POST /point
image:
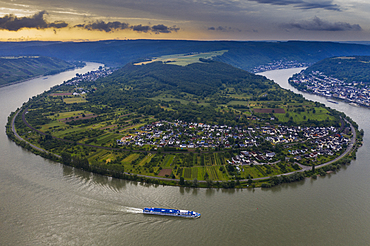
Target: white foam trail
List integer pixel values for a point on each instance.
(133, 210)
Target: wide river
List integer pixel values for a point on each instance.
(45, 203)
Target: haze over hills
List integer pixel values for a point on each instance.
(244, 55)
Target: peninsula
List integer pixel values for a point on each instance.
(203, 123)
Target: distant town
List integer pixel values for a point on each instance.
(357, 93)
(91, 76)
(280, 65)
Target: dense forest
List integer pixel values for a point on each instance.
(14, 69)
(348, 69)
(244, 55)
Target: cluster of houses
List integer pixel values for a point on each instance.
(318, 83)
(279, 65)
(326, 146)
(90, 76)
(185, 135)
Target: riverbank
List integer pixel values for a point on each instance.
(40, 76)
(266, 182)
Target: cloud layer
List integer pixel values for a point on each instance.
(37, 21)
(303, 4)
(317, 24)
(14, 23)
(116, 26)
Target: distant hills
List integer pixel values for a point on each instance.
(19, 68)
(347, 69)
(244, 55)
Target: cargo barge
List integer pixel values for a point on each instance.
(171, 212)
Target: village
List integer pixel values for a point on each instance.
(316, 82)
(324, 141)
(279, 65)
(91, 76)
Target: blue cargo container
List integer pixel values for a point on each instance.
(171, 212)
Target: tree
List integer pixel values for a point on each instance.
(195, 182)
(182, 181)
(66, 158)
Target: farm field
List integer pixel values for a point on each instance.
(184, 59)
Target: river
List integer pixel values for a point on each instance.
(46, 203)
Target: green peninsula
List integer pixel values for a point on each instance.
(202, 124)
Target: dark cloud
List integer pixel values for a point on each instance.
(13, 23)
(223, 29)
(316, 24)
(112, 26)
(103, 26)
(304, 4)
(164, 29)
(141, 28)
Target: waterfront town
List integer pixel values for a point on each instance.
(319, 140)
(91, 76)
(280, 65)
(357, 93)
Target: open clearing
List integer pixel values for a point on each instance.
(184, 59)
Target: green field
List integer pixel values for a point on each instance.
(70, 100)
(184, 59)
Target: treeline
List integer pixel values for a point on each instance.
(348, 69)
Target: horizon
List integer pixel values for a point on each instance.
(200, 20)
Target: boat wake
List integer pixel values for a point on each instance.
(132, 210)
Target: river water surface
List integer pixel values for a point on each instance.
(45, 203)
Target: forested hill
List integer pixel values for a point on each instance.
(199, 79)
(210, 92)
(244, 55)
(18, 68)
(348, 69)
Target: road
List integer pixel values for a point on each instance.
(304, 168)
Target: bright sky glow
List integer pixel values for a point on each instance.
(65, 20)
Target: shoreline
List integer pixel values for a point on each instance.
(35, 77)
(169, 181)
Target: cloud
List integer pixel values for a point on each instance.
(141, 28)
(113, 26)
(223, 29)
(316, 24)
(164, 29)
(103, 26)
(14, 23)
(304, 4)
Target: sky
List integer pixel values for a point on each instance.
(249, 20)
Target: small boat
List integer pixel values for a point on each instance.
(171, 212)
(332, 101)
(354, 104)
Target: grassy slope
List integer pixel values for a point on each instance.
(13, 69)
